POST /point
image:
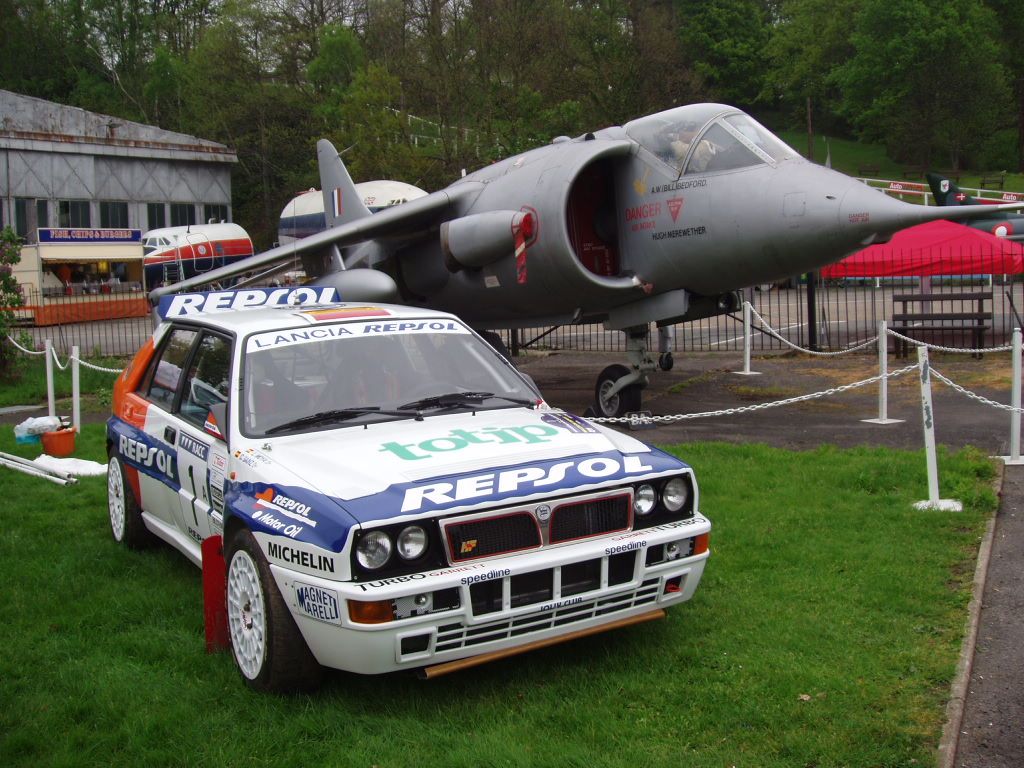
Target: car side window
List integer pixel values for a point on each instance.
(164, 375)
(207, 382)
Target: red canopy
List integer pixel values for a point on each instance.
(935, 248)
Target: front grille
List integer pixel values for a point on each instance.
(492, 536)
(589, 518)
(536, 587)
(455, 636)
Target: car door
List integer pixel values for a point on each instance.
(205, 388)
(154, 451)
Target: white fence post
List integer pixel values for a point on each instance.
(1014, 457)
(883, 382)
(76, 399)
(50, 402)
(747, 342)
(928, 419)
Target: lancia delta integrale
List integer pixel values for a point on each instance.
(390, 492)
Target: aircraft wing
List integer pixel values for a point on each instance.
(402, 222)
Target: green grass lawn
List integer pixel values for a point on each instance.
(825, 633)
(27, 384)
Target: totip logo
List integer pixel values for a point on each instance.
(467, 546)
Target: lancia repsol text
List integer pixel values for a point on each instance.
(288, 554)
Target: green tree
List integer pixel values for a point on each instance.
(724, 43)
(808, 42)
(924, 78)
(1011, 39)
(10, 295)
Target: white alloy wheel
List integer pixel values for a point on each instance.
(126, 523)
(247, 615)
(115, 499)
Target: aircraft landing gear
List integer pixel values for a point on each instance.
(619, 389)
(613, 398)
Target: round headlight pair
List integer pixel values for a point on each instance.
(674, 496)
(374, 549)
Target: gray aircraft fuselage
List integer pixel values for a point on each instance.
(653, 221)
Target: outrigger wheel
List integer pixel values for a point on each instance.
(611, 402)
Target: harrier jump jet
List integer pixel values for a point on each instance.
(659, 220)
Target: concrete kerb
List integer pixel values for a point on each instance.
(958, 690)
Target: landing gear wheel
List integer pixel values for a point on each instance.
(125, 513)
(665, 361)
(622, 402)
(268, 648)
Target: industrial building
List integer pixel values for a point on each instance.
(80, 188)
(61, 166)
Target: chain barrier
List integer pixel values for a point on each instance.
(973, 395)
(939, 348)
(772, 332)
(636, 419)
(26, 351)
(64, 367)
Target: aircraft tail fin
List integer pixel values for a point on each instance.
(342, 203)
(946, 192)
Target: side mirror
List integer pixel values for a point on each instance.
(217, 416)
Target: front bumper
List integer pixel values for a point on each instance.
(498, 604)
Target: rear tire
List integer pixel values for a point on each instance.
(266, 644)
(126, 522)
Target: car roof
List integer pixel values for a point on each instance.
(255, 320)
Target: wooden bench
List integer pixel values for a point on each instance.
(868, 171)
(993, 180)
(914, 172)
(929, 319)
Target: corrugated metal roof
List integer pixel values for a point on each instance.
(36, 124)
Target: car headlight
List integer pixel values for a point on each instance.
(675, 494)
(644, 500)
(373, 550)
(412, 542)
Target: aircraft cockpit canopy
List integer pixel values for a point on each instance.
(704, 138)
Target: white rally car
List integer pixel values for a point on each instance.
(392, 494)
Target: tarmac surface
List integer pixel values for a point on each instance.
(987, 701)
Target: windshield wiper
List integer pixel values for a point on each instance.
(456, 399)
(337, 414)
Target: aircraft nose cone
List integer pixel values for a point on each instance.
(869, 216)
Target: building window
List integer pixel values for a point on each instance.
(113, 215)
(156, 215)
(73, 213)
(29, 215)
(182, 214)
(21, 222)
(214, 213)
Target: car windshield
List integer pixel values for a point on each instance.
(342, 374)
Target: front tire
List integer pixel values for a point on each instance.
(626, 400)
(126, 522)
(267, 646)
